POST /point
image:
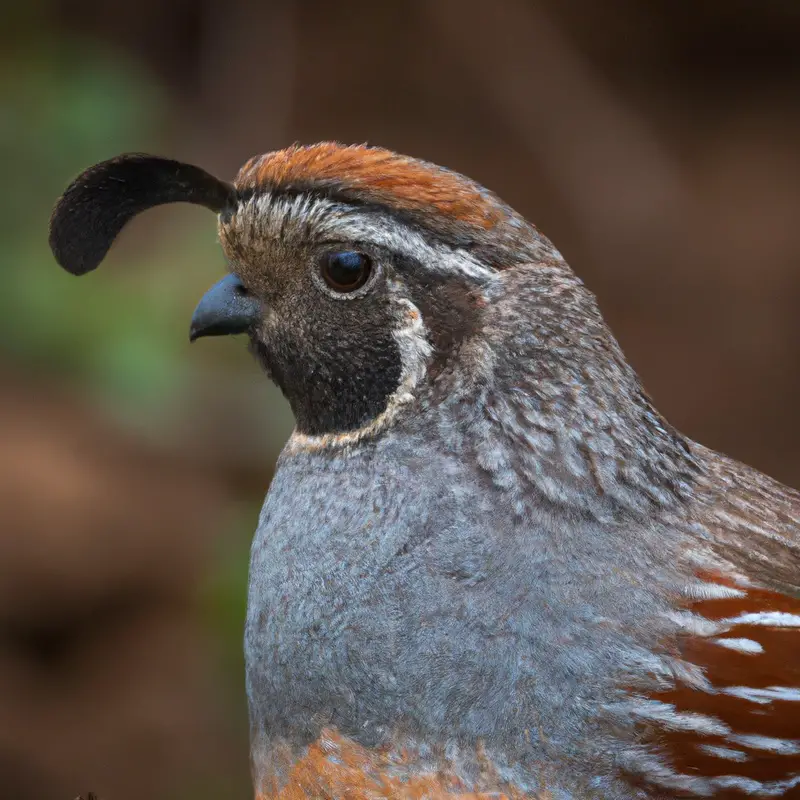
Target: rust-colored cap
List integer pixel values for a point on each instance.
(377, 176)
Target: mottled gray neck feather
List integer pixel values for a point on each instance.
(545, 402)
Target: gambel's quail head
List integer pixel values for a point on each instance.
(486, 565)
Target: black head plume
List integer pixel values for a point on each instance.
(101, 200)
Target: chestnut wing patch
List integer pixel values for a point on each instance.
(742, 733)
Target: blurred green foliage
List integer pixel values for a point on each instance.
(224, 597)
(119, 331)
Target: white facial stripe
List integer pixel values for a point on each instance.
(393, 235)
(415, 350)
(304, 217)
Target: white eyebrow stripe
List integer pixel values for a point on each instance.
(399, 238)
(269, 216)
(742, 645)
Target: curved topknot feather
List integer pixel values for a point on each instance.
(104, 198)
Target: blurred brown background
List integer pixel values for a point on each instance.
(657, 143)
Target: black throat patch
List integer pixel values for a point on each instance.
(334, 388)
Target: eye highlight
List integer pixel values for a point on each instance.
(345, 270)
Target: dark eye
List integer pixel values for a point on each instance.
(346, 270)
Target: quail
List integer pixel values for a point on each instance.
(486, 566)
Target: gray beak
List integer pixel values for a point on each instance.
(226, 308)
